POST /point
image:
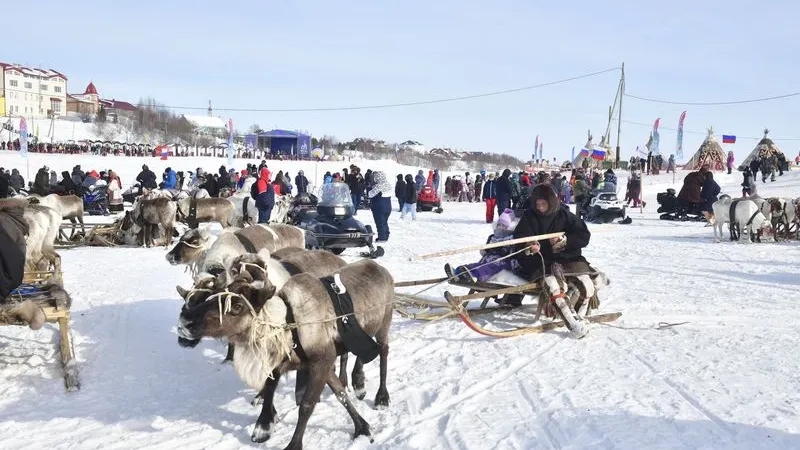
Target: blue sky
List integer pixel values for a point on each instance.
(282, 54)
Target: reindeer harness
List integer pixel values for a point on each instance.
(354, 338)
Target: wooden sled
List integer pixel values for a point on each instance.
(457, 305)
(35, 289)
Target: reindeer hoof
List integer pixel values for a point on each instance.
(360, 392)
(382, 400)
(261, 434)
(362, 429)
(258, 400)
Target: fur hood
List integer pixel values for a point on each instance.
(545, 191)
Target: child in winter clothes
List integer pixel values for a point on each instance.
(489, 266)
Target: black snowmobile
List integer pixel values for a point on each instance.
(329, 222)
(671, 208)
(605, 207)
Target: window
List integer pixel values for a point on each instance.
(13, 83)
(57, 88)
(43, 87)
(28, 85)
(55, 106)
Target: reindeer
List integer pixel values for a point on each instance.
(297, 328)
(43, 224)
(198, 210)
(69, 206)
(204, 253)
(277, 269)
(149, 214)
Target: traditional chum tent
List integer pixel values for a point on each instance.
(710, 153)
(593, 155)
(764, 148)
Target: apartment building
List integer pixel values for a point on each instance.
(32, 93)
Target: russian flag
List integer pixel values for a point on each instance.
(584, 152)
(598, 154)
(728, 139)
(164, 151)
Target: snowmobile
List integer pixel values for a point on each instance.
(427, 200)
(604, 207)
(329, 222)
(673, 209)
(95, 200)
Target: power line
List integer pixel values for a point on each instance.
(387, 105)
(703, 133)
(733, 102)
(418, 103)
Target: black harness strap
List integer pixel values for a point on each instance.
(192, 209)
(291, 268)
(191, 219)
(246, 243)
(245, 213)
(733, 226)
(354, 338)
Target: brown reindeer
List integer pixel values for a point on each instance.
(200, 210)
(149, 214)
(296, 329)
(275, 270)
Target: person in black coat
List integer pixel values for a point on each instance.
(146, 178)
(709, 193)
(503, 191)
(410, 198)
(400, 191)
(3, 186)
(301, 183)
(211, 186)
(545, 215)
(68, 185)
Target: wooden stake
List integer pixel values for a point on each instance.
(521, 240)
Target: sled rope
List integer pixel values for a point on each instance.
(660, 326)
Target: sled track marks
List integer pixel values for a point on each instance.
(536, 409)
(441, 408)
(682, 393)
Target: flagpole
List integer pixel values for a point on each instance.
(619, 119)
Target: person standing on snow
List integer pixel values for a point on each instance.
(490, 197)
(380, 203)
(265, 196)
(730, 162)
(400, 191)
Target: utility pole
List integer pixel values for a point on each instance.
(619, 117)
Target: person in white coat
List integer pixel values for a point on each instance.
(114, 191)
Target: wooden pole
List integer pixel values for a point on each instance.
(521, 240)
(619, 116)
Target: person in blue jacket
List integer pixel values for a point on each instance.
(171, 181)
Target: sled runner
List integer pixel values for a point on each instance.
(519, 319)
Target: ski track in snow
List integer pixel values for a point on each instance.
(727, 379)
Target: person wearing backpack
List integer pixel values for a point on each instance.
(264, 195)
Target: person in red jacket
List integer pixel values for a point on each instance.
(265, 198)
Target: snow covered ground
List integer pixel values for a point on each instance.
(727, 379)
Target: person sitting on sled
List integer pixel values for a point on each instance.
(489, 266)
(545, 215)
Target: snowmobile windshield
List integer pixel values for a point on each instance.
(336, 195)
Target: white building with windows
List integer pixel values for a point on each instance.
(32, 93)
